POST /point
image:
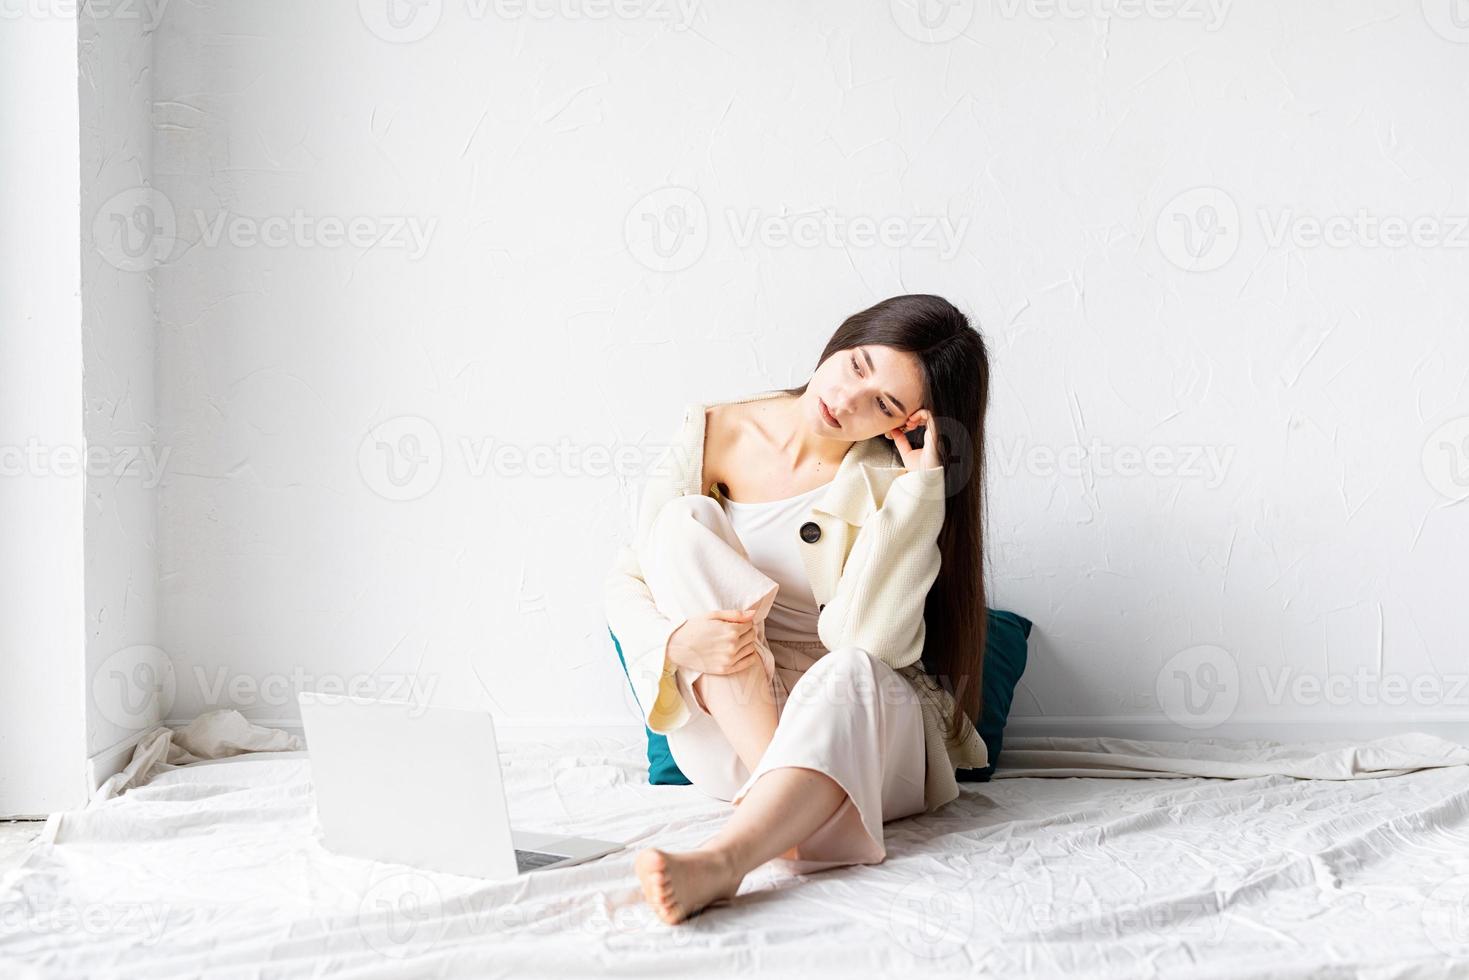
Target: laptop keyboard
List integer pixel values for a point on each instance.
(530, 860)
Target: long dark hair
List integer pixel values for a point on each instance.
(956, 381)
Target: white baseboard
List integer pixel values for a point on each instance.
(102, 766)
(1153, 727)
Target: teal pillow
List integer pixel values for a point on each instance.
(1005, 654)
(662, 770)
(1004, 662)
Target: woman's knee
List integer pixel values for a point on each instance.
(677, 512)
(850, 675)
(748, 678)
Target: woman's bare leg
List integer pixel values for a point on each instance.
(743, 705)
(782, 808)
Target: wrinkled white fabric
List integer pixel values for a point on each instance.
(214, 869)
(213, 735)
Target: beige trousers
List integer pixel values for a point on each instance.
(844, 713)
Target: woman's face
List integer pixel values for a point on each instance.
(870, 390)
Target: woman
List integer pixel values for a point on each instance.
(802, 613)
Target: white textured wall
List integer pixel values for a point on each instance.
(127, 671)
(42, 733)
(475, 227)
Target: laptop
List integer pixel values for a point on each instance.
(419, 785)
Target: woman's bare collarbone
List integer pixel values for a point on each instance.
(741, 459)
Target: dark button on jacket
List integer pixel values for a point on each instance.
(810, 532)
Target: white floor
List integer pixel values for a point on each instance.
(16, 837)
(215, 869)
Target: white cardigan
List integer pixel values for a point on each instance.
(871, 568)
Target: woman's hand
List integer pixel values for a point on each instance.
(720, 642)
(926, 457)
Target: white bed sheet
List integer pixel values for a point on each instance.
(215, 869)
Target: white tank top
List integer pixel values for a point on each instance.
(770, 530)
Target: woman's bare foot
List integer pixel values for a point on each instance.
(677, 885)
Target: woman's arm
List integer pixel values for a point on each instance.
(878, 603)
